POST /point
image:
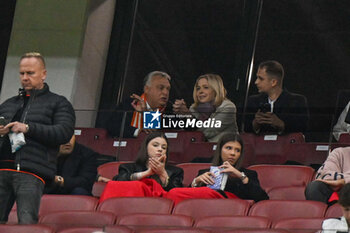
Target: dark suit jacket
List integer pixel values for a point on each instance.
(175, 174)
(79, 169)
(291, 108)
(114, 120)
(250, 191)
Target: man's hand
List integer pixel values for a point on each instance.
(3, 130)
(268, 118)
(335, 184)
(17, 127)
(138, 103)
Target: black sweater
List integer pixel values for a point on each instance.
(250, 191)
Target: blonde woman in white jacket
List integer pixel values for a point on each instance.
(210, 104)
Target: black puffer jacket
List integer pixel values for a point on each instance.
(51, 121)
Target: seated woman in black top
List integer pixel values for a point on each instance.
(151, 172)
(241, 182)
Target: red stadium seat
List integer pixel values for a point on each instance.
(109, 170)
(344, 138)
(191, 171)
(310, 152)
(172, 230)
(91, 137)
(155, 220)
(117, 229)
(37, 228)
(213, 222)
(271, 176)
(84, 230)
(136, 205)
(283, 209)
(256, 231)
(51, 203)
(270, 149)
(127, 148)
(65, 219)
(334, 211)
(300, 225)
(98, 188)
(180, 143)
(197, 208)
(198, 150)
(287, 193)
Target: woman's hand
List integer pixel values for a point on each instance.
(232, 171)
(158, 165)
(180, 107)
(206, 178)
(228, 168)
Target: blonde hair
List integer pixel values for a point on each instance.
(35, 55)
(215, 82)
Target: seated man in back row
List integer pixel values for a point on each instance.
(276, 110)
(76, 170)
(330, 177)
(155, 97)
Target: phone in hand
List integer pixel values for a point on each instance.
(265, 107)
(2, 120)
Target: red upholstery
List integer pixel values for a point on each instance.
(84, 230)
(233, 222)
(92, 138)
(256, 231)
(110, 169)
(98, 188)
(65, 219)
(344, 138)
(311, 152)
(191, 171)
(271, 176)
(270, 149)
(198, 150)
(282, 209)
(127, 148)
(117, 229)
(133, 205)
(334, 211)
(180, 143)
(300, 225)
(172, 230)
(287, 193)
(197, 208)
(155, 220)
(37, 228)
(52, 203)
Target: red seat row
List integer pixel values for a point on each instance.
(274, 210)
(184, 146)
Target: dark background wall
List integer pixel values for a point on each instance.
(189, 38)
(7, 11)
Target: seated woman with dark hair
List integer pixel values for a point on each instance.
(241, 182)
(150, 175)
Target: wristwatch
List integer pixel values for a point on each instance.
(60, 180)
(243, 176)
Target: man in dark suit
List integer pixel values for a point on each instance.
(155, 97)
(76, 170)
(275, 109)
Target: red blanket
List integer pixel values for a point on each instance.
(150, 188)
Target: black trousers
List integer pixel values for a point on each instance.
(318, 191)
